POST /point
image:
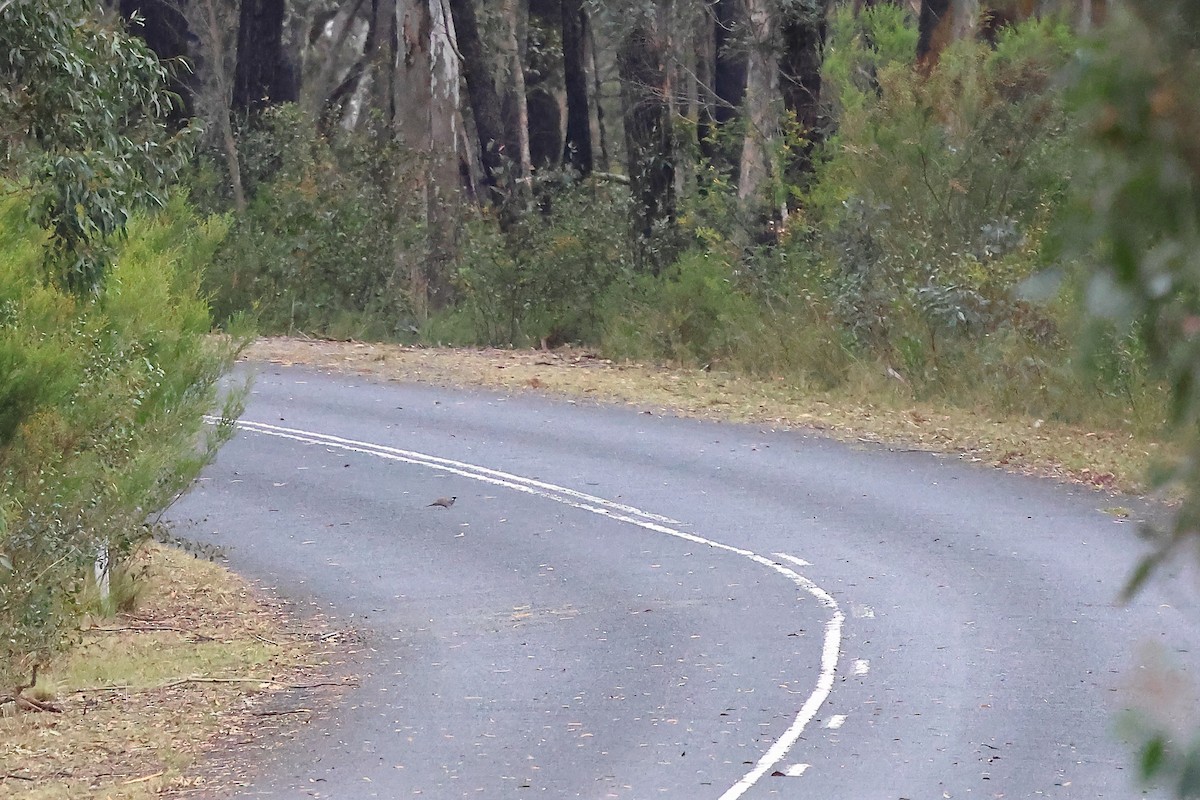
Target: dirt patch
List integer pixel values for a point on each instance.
(1109, 460)
(166, 700)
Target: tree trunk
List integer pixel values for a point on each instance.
(597, 83)
(316, 94)
(517, 120)
(216, 47)
(762, 113)
(935, 26)
(577, 147)
(443, 195)
(485, 102)
(648, 143)
(800, 74)
(166, 32)
(384, 47)
(263, 76)
(729, 78)
(426, 84)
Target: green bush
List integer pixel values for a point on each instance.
(935, 192)
(320, 248)
(544, 278)
(102, 401)
(691, 314)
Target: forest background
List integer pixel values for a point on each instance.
(986, 205)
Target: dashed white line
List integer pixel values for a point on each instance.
(836, 721)
(861, 666)
(830, 651)
(795, 770)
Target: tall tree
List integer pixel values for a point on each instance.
(264, 75)
(730, 63)
(214, 24)
(425, 85)
(515, 107)
(577, 145)
(729, 74)
(485, 101)
(649, 151)
(165, 29)
(800, 63)
(762, 112)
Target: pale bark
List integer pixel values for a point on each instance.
(513, 13)
(762, 110)
(217, 37)
(327, 52)
(425, 85)
(599, 129)
(442, 197)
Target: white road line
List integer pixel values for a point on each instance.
(634, 516)
(862, 612)
(861, 666)
(799, 562)
(795, 770)
(447, 465)
(836, 721)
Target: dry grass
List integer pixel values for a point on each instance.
(153, 700)
(1100, 458)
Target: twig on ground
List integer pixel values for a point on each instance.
(144, 778)
(282, 713)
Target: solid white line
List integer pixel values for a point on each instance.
(634, 516)
(423, 458)
(799, 562)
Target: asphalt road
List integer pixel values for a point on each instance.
(621, 604)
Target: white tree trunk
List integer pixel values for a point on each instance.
(515, 65)
(762, 111)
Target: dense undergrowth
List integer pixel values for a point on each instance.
(913, 263)
(101, 405)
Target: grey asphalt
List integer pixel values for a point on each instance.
(517, 646)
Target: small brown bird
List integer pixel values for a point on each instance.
(443, 502)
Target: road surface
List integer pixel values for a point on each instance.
(621, 604)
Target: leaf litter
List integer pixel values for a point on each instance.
(178, 697)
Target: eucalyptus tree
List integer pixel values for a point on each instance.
(84, 119)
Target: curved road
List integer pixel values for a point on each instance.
(630, 606)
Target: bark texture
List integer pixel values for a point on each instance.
(648, 142)
(577, 144)
(485, 101)
(264, 75)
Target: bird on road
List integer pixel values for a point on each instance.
(443, 502)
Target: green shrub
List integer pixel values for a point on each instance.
(319, 249)
(104, 400)
(692, 313)
(935, 191)
(543, 280)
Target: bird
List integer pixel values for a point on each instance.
(443, 502)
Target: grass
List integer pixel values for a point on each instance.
(153, 698)
(1104, 459)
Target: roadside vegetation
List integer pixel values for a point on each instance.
(150, 696)
(908, 222)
